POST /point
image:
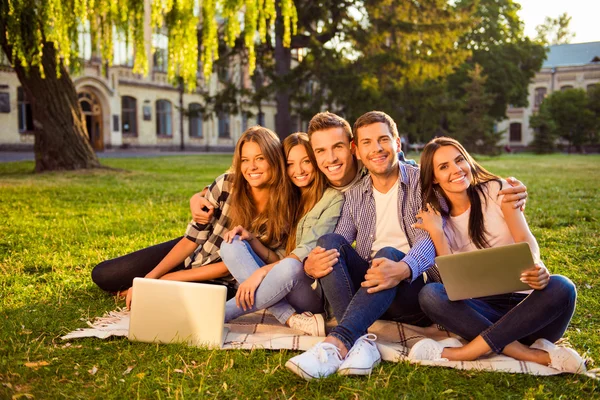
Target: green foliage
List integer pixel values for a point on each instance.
(544, 141)
(509, 59)
(27, 26)
(474, 126)
(569, 114)
(555, 30)
(57, 226)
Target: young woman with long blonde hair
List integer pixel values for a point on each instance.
(255, 193)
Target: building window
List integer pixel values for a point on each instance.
(122, 49)
(84, 41)
(540, 95)
(224, 126)
(164, 118)
(24, 112)
(129, 116)
(160, 45)
(566, 87)
(195, 120)
(515, 132)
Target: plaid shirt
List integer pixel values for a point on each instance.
(210, 236)
(358, 221)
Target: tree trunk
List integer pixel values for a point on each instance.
(61, 139)
(283, 63)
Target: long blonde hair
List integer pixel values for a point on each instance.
(313, 193)
(271, 226)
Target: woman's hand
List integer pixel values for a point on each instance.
(431, 220)
(238, 230)
(244, 298)
(537, 277)
(128, 298)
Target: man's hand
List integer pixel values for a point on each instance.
(320, 262)
(385, 274)
(537, 277)
(516, 193)
(202, 209)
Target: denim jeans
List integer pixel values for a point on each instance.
(284, 291)
(503, 319)
(354, 308)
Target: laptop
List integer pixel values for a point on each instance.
(177, 312)
(485, 272)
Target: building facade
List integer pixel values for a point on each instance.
(568, 66)
(124, 109)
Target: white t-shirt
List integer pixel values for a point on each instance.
(497, 232)
(388, 232)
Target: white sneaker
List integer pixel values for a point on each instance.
(320, 361)
(562, 358)
(430, 350)
(362, 357)
(307, 322)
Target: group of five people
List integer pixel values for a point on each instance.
(342, 208)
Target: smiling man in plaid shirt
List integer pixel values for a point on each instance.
(384, 274)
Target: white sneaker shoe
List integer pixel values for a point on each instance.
(307, 322)
(430, 350)
(561, 358)
(362, 357)
(320, 361)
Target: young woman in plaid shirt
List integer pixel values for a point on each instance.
(255, 193)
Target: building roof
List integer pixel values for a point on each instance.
(562, 55)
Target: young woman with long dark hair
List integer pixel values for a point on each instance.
(521, 325)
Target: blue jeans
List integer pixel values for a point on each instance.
(354, 308)
(284, 291)
(503, 319)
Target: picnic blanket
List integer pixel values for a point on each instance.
(260, 330)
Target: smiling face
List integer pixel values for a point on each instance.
(378, 149)
(299, 168)
(254, 166)
(451, 170)
(334, 154)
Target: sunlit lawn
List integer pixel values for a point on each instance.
(55, 227)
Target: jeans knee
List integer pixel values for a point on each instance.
(431, 296)
(563, 289)
(390, 253)
(289, 268)
(231, 251)
(331, 241)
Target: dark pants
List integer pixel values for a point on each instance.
(118, 274)
(505, 318)
(354, 308)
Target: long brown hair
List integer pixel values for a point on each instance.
(481, 177)
(271, 226)
(313, 193)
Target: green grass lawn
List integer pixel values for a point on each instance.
(55, 227)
